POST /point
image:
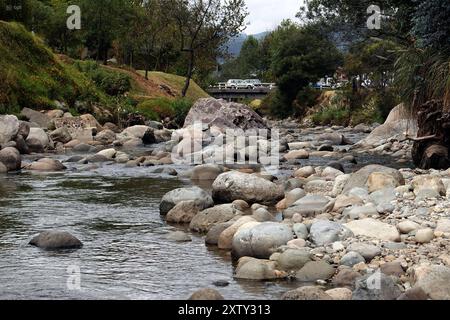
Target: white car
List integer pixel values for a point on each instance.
(234, 84)
(253, 83)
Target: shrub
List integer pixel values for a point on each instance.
(156, 109)
(181, 107)
(332, 116)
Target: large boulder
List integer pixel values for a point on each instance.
(397, 125)
(10, 157)
(145, 133)
(235, 185)
(9, 128)
(206, 295)
(46, 164)
(54, 240)
(207, 172)
(201, 198)
(261, 240)
(225, 115)
(308, 293)
(183, 212)
(374, 229)
(39, 135)
(315, 270)
(106, 137)
(360, 178)
(434, 280)
(39, 118)
(204, 220)
(61, 135)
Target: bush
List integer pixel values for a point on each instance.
(111, 82)
(181, 107)
(332, 116)
(156, 109)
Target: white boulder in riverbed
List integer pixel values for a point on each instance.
(235, 185)
(40, 135)
(374, 229)
(201, 198)
(9, 127)
(261, 240)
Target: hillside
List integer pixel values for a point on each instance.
(32, 76)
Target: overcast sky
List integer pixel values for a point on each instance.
(265, 15)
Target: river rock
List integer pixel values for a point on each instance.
(24, 129)
(301, 231)
(10, 157)
(332, 138)
(3, 168)
(382, 180)
(39, 134)
(206, 295)
(340, 294)
(443, 225)
(424, 235)
(261, 240)
(359, 179)
(429, 183)
(434, 280)
(144, 133)
(235, 185)
(39, 118)
(207, 172)
(407, 226)
(374, 229)
(212, 237)
(202, 199)
(345, 278)
(293, 259)
(61, 135)
(9, 128)
(256, 269)
(415, 293)
(106, 137)
(314, 271)
(325, 232)
(377, 286)
(204, 220)
(225, 241)
(109, 154)
(310, 205)
(46, 164)
(392, 269)
(54, 240)
(307, 294)
(351, 258)
(296, 155)
(224, 115)
(366, 250)
(183, 212)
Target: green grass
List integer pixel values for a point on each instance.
(177, 83)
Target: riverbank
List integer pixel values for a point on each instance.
(345, 210)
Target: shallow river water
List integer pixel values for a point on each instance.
(126, 255)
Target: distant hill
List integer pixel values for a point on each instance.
(235, 45)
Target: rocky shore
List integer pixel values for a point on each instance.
(339, 228)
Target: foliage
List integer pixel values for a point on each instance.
(161, 108)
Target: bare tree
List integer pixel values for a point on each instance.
(205, 24)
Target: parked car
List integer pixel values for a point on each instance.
(234, 84)
(252, 83)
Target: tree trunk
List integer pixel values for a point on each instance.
(432, 151)
(189, 74)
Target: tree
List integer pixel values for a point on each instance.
(303, 57)
(205, 24)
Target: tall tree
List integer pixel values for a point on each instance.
(205, 24)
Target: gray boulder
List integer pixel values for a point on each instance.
(201, 198)
(326, 232)
(204, 220)
(359, 179)
(261, 240)
(377, 286)
(41, 119)
(9, 127)
(54, 240)
(315, 270)
(235, 185)
(10, 157)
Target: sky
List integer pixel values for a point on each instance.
(266, 15)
